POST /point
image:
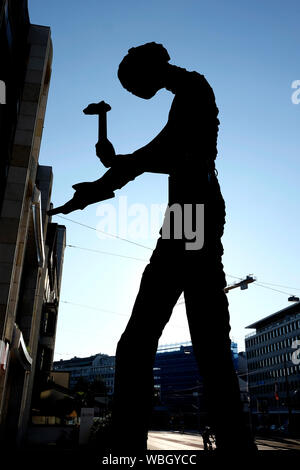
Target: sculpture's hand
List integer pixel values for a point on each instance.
(85, 194)
(105, 152)
(68, 207)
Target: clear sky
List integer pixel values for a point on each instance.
(249, 52)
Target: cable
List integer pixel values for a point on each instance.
(93, 308)
(103, 310)
(107, 253)
(148, 248)
(260, 284)
(124, 256)
(106, 233)
(271, 288)
(234, 277)
(279, 285)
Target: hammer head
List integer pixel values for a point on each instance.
(97, 108)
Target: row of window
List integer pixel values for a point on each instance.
(275, 373)
(80, 373)
(274, 333)
(272, 347)
(102, 369)
(270, 388)
(91, 377)
(109, 383)
(107, 376)
(274, 360)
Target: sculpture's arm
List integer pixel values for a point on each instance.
(162, 155)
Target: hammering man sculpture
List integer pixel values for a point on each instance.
(185, 149)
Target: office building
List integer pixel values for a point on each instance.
(90, 369)
(273, 356)
(178, 384)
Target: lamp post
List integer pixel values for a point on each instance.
(288, 400)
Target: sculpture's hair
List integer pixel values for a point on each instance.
(142, 58)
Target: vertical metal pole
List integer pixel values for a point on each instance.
(287, 389)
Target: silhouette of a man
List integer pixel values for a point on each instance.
(185, 149)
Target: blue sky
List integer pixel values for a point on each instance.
(249, 52)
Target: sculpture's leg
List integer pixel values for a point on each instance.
(159, 291)
(208, 318)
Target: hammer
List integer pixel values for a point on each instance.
(101, 109)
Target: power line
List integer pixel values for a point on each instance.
(148, 248)
(279, 285)
(103, 310)
(234, 277)
(107, 253)
(93, 308)
(271, 288)
(106, 233)
(261, 284)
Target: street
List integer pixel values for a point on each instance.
(162, 440)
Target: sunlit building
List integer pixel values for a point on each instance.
(99, 367)
(273, 356)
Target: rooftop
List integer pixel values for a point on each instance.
(275, 317)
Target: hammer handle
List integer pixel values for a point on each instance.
(102, 126)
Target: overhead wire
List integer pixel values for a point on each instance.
(107, 253)
(93, 308)
(90, 307)
(106, 233)
(260, 284)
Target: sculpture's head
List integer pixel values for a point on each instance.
(142, 70)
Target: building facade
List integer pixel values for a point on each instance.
(90, 369)
(31, 248)
(273, 357)
(177, 384)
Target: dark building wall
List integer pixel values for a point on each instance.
(14, 27)
(27, 257)
(175, 371)
(36, 320)
(179, 385)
